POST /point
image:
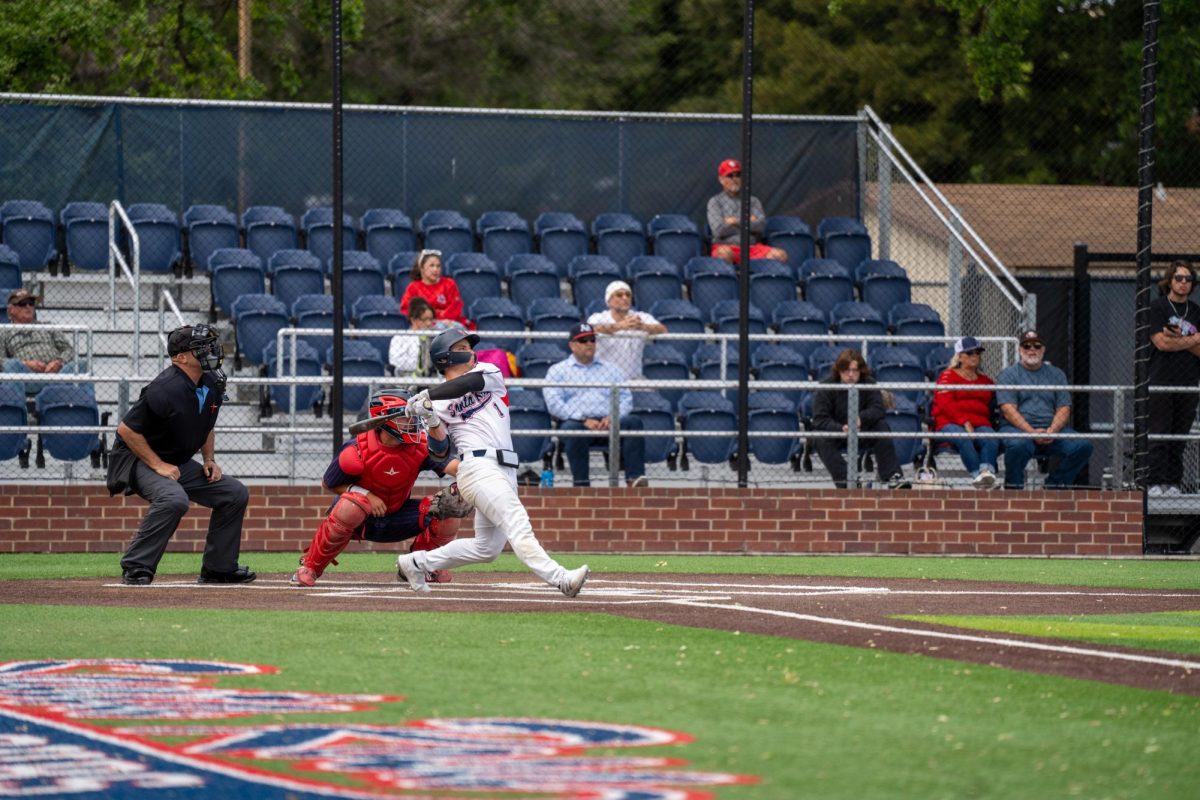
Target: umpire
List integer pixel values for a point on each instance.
(171, 421)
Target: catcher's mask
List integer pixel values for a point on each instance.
(201, 341)
(407, 429)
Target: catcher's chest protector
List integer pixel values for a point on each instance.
(389, 472)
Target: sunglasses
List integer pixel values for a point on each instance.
(972, 352)
(586, 340)
(1032, 346)
(1183, 278)
(734, 175)
(622, 294)
(24, 303)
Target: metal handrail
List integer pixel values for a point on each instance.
(133, 276)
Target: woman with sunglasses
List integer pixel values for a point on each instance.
(433, 287)
(968, 412)
(1173, 362)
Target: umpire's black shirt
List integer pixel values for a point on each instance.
(175, 415)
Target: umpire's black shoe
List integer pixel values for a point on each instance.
(137, 577)
(239, 575)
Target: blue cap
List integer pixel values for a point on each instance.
(968, 343)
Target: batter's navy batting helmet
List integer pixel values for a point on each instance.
(439, 348)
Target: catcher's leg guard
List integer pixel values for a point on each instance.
(333, 534)
(436, 533)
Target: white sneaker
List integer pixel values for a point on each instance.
(1173, 491)
(573, 581)
(984, 480)
(1155, 491)
(406, 566)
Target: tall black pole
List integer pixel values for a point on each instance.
(1141, 386)
(335, 399)
(743, 390)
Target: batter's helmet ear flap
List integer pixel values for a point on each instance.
(439, 348)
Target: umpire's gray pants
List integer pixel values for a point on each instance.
(169, 502)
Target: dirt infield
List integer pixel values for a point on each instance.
(854, 612)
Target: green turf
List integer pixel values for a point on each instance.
(1176, 632)
(1116, 573)
(812, 720)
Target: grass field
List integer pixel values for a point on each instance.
(810, 720)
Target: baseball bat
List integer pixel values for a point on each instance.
(361, 426)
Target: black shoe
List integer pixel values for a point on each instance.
(898, 481)
(137, 577)
(239, 575)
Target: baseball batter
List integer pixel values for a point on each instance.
(473, 405)
(372, 476)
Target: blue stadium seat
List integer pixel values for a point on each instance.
(826, 283)
(727, 318)
(891, 364)
(386, 232)
(536, 357)
(710, 280)
(552, 314)
(308, 364)
(400, 269)
(708, 412)
(780, 363)
(619, 236)
(85, 231)
(446, 230)
(800, 318)
(294, 273)
(590, 276)
(657, 414)
(27, 227)
(159, 243)
(13, 413)
(853, 319)
(531, 277)
(209, 228)
(232, 280)
(378, 312)
(916, 319)
(10, 268)
(314, 311)
(503, 234)
(936, 361)
(360, 359)
(680, 316)
(663, 362)
(317, 224)
(906, 418)
(476, 275)
(527, 411)
(771, 283)
(498, 314)
(68, 405)
(268, 228)
(844, 240)
(361, 275)
(257, 319)
(561, 237)
(792, 236)
(884, 284)
(773, 412)
(654, 278)
(822, 359)
(675, 238)
(706, 361)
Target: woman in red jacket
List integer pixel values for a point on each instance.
(440, 292)
(968, 412)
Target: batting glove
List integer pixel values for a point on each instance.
(419, 405)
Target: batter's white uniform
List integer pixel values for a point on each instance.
(479, 422)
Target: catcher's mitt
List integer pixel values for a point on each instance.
(449, 503)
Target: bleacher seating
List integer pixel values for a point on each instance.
(708, 412)
(883, 285)
(898, 364)
(257, 319)
(654, 278)
(844, 240)
(710, 280)
(657, 414)
(386, 232)
(800, 318)
(674, 237)
(590, 276)
(619, 236)
(536, 357)
(706, 361)
(234, 278)
(502, 235)
(209, 228)
(295, 273)
(308, 364)
(552, 314)
(916, 319)
(561, 237)
(400, 270)
(727, 318)
(821, 360)
(771, 283)
(531, 277)
(792, 236)
(359, 360)
(498, 314)
(446, 230)
(27, 227)
(664, 362)
(314, 311)
(13, 413)
(826, 283)
(85, 234)
(527, 411)
(268, 228)
(317, 224)
(853, 319)
(69, 405)
(780, 363)
(10, 268)
(773, 412)
(361, 275)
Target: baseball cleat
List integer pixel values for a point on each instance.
(304, 577)
(574, 580)
(406, 568)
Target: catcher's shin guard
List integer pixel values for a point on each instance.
(436, 533)
(333, 534)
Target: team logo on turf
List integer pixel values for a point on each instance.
(49, 746)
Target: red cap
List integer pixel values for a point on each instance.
(727, 166)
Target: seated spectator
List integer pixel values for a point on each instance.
(725, 219)
(831, 412)
(622, 330)
(583, 408)
(32, 351)
(1034, 411)
(440, 292)
(408, 354)
(967, 412)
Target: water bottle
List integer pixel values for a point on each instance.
(1106, 480)
(547, 481)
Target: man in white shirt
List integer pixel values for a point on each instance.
(623, 330)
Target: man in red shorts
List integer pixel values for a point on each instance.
(725, 218)
(373, 476)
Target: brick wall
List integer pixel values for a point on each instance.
(281, 518)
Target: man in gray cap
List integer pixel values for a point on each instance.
(32, 349)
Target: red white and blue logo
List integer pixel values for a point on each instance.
(182, 743)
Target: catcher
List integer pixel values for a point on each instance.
(373, 476)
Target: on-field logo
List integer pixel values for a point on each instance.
(46, 747)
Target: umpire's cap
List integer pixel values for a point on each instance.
(439, 348)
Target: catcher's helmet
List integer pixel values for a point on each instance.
(406, 429)
(439, 348)
(200, 341)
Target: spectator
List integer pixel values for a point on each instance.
(623, 330)
(408, 354)
(968, 412)
(1038, 411)
(831, 413)
(725, 219)
(1173, 362)
(30, 350)
(440, 292)
(583, 408)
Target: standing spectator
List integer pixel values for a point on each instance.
(1173, 362)
(171, 421)
(408, 354)
(725, 219)
(583, 408)
(440, 292)
(623, 331)
(1038, 411)
(30, 350)
(831, 413)
(968, 412)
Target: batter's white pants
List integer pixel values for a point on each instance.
(499, 517)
